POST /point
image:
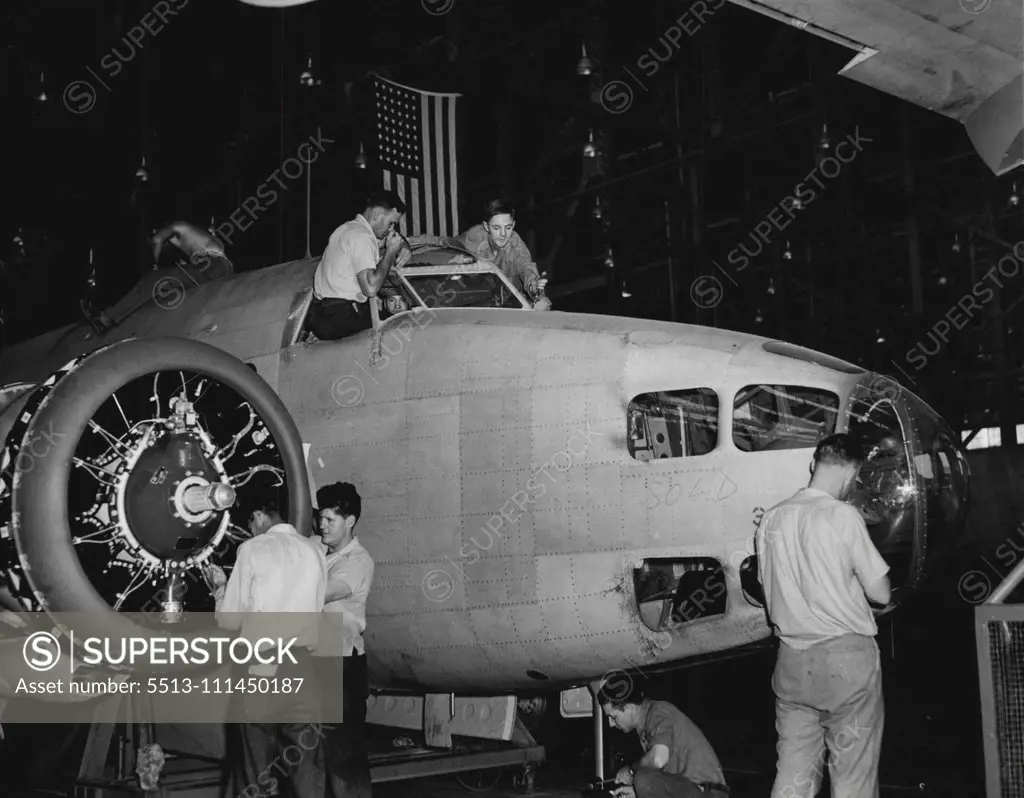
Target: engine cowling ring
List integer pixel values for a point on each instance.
(40, 497)
(22, 405)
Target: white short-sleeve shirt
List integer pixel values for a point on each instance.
(354, 566)
(352, 248)
(814, 555)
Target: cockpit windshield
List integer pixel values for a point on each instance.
(473, 290)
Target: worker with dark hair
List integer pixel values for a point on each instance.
(352, 269)
(276, 570)
(678, 762)
(496, 240)
(818, 568)
(349, 578)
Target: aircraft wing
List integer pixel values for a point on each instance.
(961, 59)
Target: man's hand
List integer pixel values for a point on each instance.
(215, 576)
(624, 776)
(540, 285)
(403, 257)
(624, 792)
(392, 242)
(542, 304)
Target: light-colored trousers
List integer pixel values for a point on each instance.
(829, 695)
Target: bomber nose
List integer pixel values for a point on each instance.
(913, 489)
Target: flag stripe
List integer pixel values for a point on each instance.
(449, 143)
(428, 178)
(436, 134)
(416, 137)
(413, 211)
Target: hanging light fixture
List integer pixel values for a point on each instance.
(596, 212)
(879, 338)
(609, 261)
(141, 174)
(1014, 197)
(956, 242)
(824, 143)
(625, 291)
(823, 149)
(787, 253)
(771, 286)
(759, 319)
(584, 67)
(590, 151)
(41, 95)
(360, 162)
(307, 78)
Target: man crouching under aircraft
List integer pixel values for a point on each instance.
(206, 261)
(679, 761)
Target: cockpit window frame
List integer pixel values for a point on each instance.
(685, 438)
(403, 273)
(783, 395)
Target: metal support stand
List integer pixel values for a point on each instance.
(598, 741)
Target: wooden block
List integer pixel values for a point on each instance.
(437, 720)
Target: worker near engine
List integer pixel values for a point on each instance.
(349, 579)
(277, 570)
(353, 269)
(818, 568)
(496, 240)
(678, 762)
(200, 258)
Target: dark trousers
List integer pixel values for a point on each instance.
(346, 754)
(331, 319)
(651, 783)
(277, 759)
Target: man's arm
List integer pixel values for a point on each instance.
(871, 569)
(233, 598)
(372, 278)
(522, 261)
(159, 239)
(656, 758)
(336, 589)
(347, 577)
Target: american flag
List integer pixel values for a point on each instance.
(416, 146)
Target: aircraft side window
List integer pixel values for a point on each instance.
(772, 417)
(670, 424)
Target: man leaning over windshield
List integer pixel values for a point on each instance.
(496, 240)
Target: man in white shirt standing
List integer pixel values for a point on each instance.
(352, 269)
(349, 578)
(818, 567)
(277, 570)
